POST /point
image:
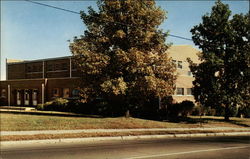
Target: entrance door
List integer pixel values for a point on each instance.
(34, 97)
(26, 98)
(18, 97)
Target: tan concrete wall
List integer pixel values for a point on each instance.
(181, 53)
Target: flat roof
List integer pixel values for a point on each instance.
(38, 60)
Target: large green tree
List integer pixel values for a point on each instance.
(122, 54)
(222, 78)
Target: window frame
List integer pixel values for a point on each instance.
(178, 92)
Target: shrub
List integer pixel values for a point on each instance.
(245, 111)
(186, 107)
(183, 109)
(40, 107)
(3, 101)
(58, 104)
(197, 111)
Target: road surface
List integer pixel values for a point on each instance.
(230, 147)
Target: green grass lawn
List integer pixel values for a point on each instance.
(18, 122)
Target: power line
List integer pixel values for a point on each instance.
(67, 10)
(180, 37)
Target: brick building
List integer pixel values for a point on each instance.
(32, 82)
(29, 83)
(179, 54)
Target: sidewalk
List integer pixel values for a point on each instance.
(36, 132)
(22, 143)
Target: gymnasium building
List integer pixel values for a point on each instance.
(29, 83)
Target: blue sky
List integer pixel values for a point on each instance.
(30, 31)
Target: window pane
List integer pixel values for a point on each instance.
(189, 91)
(55, 92)
(179, 65)
(3, 93)
(190, 73)
(180, 91)
(65, 92)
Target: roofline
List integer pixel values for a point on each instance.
(40, 60)
(39, 79)
(64, 57)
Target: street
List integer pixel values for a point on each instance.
(226, 147)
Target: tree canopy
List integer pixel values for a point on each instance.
(122, 54)
(222, 78)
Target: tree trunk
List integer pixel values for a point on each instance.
(227, 112)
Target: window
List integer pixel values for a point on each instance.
(75, 93)
(26, 95)
(57, 66)
(73, 65)
(3, 93)
(34, 69)
(179, 64)
(180, 91)
(65, 92)
(40, 68)
(29, 69)
(18, 95)
(174, 62)
(55, 92)
(189, 91)
(64, 66)
(34, 95)
(190, 73)
(50, 67)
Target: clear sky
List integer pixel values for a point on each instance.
(30, 31)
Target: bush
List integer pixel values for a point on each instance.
(183, 109)
(186, 107)
(197, 111)
(58, 104)
(245, 111)
(3, 101)
(40, 107)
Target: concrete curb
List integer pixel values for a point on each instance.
(94, 139)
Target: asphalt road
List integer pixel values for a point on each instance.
(230, 147)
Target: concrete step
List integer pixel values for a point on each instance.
(18, 108)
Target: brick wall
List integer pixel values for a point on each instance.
(53, 68)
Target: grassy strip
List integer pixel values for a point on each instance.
(101, 134)
(21, 122)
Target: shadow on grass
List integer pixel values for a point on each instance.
(189, 120)
(48, 113)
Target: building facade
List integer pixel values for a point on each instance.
(179, 54)
(33, 82)
(29, 83)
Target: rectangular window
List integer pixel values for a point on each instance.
(65, 92)
(55, 92)
(73, 65)
(57, 67)
(34, 69)
(3, 93)
(174, 62)
(50, 67)
(40, 68)
(190, 73)
(34, 95)
(189, 91)
(179, 64)
(29, 69)
(64, 66)
(180, 91)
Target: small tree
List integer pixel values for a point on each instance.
(122, 54)
(222, 79)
